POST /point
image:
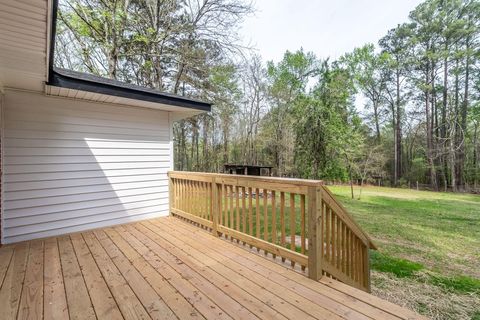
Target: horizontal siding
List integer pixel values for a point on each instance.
(65, 207)
(71, 166)
(80, 143)
(79, 227)
(85, 174)
(85, 151)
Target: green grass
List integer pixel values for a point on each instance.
(429, 245)
(463, 284)
(427, 240)
(399, 267)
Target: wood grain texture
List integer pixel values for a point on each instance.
(167, 268)
(345, 259)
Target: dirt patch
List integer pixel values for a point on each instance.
(423, 297)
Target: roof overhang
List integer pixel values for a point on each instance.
(27, 48)
(113, 91)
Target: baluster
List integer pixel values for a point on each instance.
(182, 206)
(333, 236)
(274, 220)
(282, 219)
(257, 212)
(195, 197)
(192, 197)
(343, 248)
(179, 199)
(302, 223)
(198, 187)
(250, 211)
(218, 208)
(213, 206)
(210, 200)
(232, 225)
(359, 262)
(327, 232)
(180, 194)
(227, 209)
(355, 266)
(237, 227)
(206, 196)
(201, 204)
(265, 215)
(244, 211)
(222, 205)
(339, 244)
(352, 256)
(187, 196)
(199, 199)
(292, 224)
(172, 194)
(323, 235)
(347, 252)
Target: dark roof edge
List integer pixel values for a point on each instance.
(85, 82)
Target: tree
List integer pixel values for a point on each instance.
(368, 70)
(288, 80)
(395, 46)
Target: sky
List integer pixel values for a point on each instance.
(328, 28)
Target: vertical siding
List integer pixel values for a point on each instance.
(72, 165)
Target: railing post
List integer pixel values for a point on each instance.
(215, 207)
(315, 241)
(170, 194)
(366, 266)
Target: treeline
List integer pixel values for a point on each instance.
(402, 111)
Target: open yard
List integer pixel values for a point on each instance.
(429, 248)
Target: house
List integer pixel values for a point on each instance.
(86, 176)
(78, 151)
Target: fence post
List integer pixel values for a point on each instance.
(215, 207)
(170, 193)
(315, 241)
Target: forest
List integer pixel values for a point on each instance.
(404, 111)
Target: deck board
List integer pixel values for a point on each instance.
(54, 297)
(103, 302)
(78, 300)
(12, 285)
(166, 269)
(333, 300)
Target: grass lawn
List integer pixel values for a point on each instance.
(429, 248)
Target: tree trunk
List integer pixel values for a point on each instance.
(431, 165)
(475, 155)
(375, 115)
(463, 120)
(398, 132)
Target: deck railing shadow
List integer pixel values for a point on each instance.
(293, 219)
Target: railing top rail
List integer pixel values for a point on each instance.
(291, 181)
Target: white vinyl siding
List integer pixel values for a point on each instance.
(72, 165)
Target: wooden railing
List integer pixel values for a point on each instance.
(296, 220)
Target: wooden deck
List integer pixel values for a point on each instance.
(167, 269)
